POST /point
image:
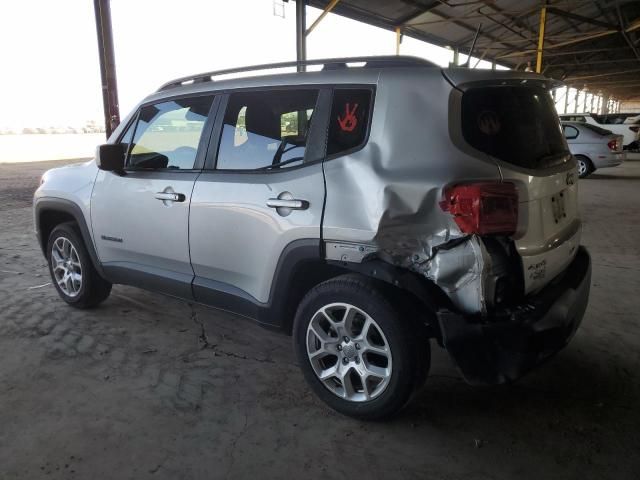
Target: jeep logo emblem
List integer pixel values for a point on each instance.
(571, 178)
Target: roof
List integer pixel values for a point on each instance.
(337, 71)
(592, 44)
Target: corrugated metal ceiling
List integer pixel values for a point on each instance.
(592, 44)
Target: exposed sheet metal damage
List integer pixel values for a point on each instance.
(460, 265)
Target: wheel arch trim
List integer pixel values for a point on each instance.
(44, 204)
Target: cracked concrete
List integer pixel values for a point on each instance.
(128, 391)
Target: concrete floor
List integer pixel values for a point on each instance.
(128, 391)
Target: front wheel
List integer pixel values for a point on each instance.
(72, 273)
(357, 352)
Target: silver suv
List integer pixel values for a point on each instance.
(363, 209)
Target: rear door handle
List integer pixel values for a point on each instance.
(170, 196)
(293, 204)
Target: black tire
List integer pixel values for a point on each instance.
(588, 168)
(93, 289)
(406, 339)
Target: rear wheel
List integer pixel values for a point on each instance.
(72, 273)
(357, 352)
(585, 167)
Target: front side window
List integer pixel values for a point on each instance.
(266, 130)
(167, 134)
(349, 119)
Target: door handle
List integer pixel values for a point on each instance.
(293, 204)
(170, 196)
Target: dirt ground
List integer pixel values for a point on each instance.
(150, 387)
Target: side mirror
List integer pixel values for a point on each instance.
(110, 157)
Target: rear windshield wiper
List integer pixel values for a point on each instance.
(552, 156)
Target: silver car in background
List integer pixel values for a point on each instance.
(593, 147)
(625, 124)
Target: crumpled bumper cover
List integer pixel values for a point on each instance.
(505, 346)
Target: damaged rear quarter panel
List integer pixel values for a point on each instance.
(387, 194)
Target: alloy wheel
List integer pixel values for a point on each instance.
(582, 167)
(66, 266)
(348, 352)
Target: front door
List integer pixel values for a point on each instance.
(140, 218)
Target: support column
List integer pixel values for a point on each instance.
(599, 106)
(566, 100)
(301, 38)
(543, 21)
(398, 39)
(605, 104)
(456, 56)
(107, 66)
(575, 107)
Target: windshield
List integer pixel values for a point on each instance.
(518, 125)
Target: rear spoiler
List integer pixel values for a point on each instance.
(464, 78)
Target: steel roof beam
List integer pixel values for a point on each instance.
(418, 13)
(592, 62)
(624, 34)
(603, 74)
(580, 18)
(360, 15)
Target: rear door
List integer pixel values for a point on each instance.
(140, 218)
(262, 191)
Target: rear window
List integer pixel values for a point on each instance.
(596, 129)
(518, 125)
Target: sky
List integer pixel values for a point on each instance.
(49, 52)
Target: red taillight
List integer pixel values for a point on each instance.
(483, 208)
(613, 145)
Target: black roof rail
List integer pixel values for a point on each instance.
(328, 64)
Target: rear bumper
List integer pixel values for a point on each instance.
(608, 159)
(504, 347)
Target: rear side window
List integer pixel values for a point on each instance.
(167, 134)
(266, 130)
(349, 120)
(518, 125)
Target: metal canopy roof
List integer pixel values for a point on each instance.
(593, 44)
